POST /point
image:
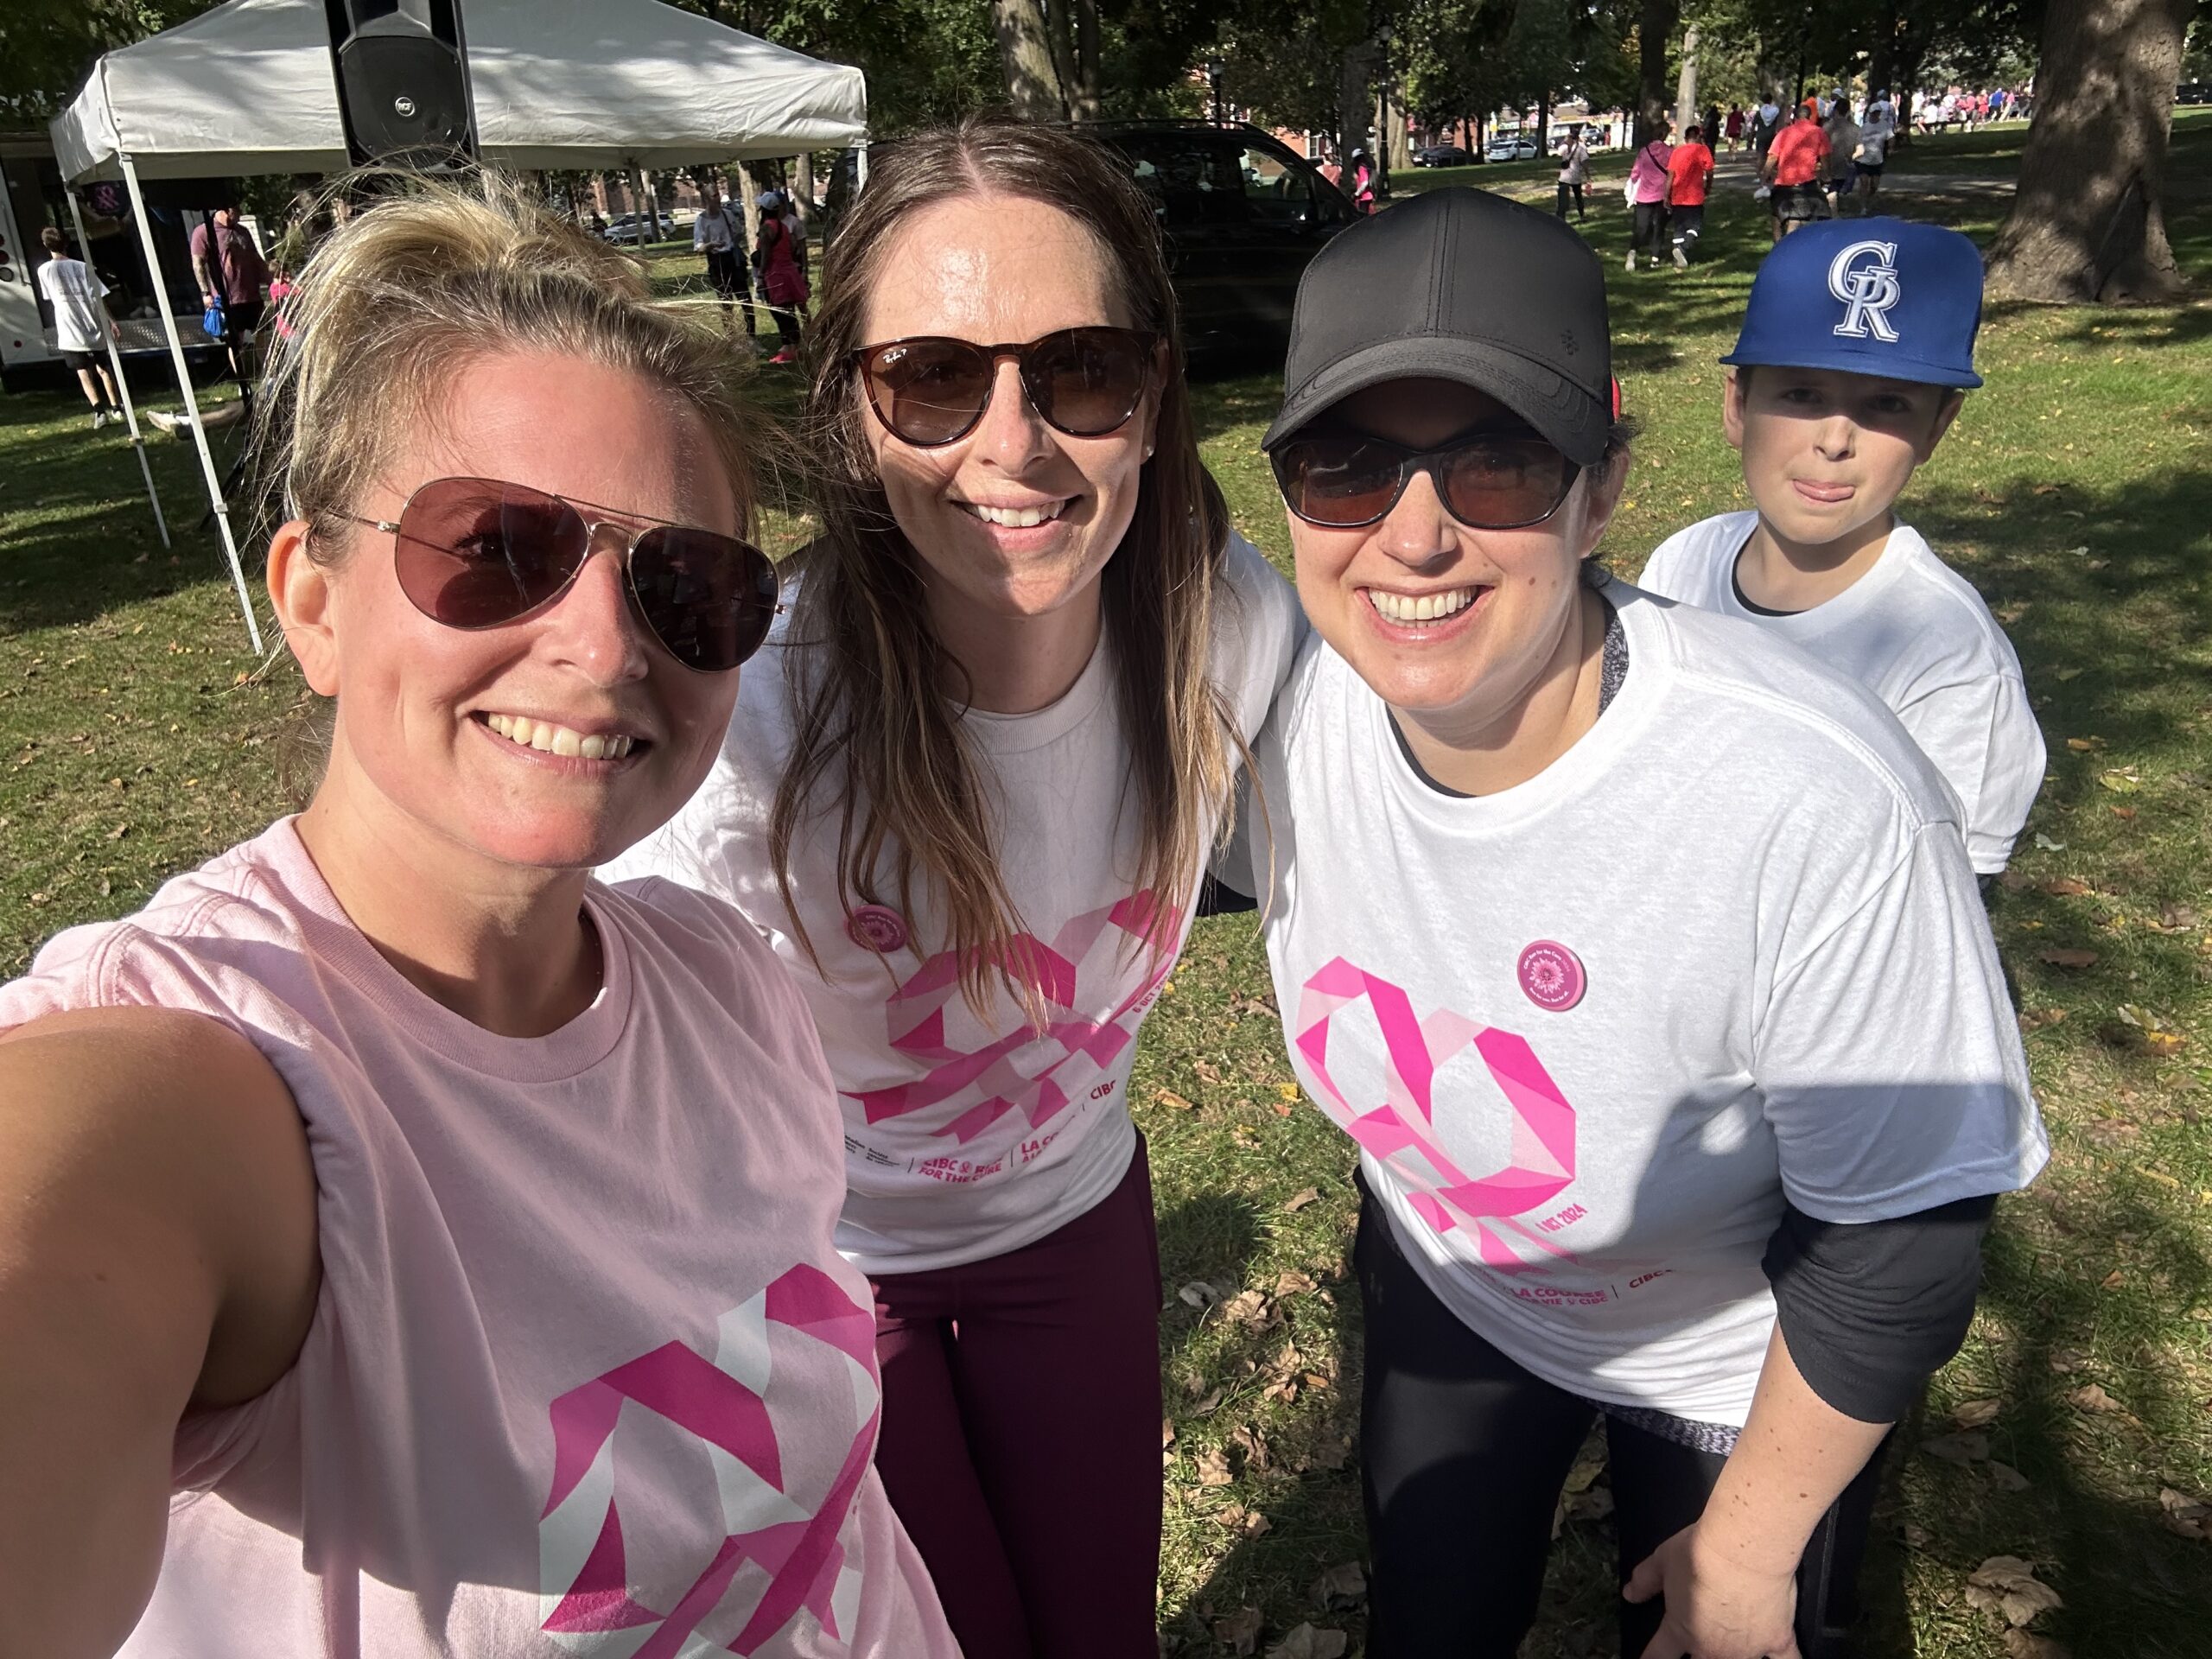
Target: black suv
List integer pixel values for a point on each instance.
(1242, 215)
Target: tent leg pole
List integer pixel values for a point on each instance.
(122, 385)
(191, 402)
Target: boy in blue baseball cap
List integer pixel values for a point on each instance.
(1855, 356)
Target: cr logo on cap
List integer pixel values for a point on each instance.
(1869, 289)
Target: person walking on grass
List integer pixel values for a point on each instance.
(1689, 174)
(718, 234)
(231, 273)
(783, 278)
(1735, 128)
(411, 1247)
(1647, 194)
(78, 298)
(969, 800)
(1872, 153)
(1766, 121)
(1574, 171)
(1844, 136)
(1832, 420)
(1638, 955)
(1793, 168)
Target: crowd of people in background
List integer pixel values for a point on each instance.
(1823, 159)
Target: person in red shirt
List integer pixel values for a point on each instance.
(1735, 126)
(1793, 169)
(1689, 171)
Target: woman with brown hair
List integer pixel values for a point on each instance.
(971, 797)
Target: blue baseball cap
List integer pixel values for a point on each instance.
(1885, 297)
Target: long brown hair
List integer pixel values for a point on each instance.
(877, 720)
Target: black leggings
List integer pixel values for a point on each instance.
(1650, 225)
(1564, 188)
(1462, 1457)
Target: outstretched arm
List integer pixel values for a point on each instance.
(157, 1254)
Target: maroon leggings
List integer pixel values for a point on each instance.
(1020, 1440)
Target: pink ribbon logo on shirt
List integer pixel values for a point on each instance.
(791, 1538)
(916, 1013)
(1402, 1130)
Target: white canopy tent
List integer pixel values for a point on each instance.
(249, 88)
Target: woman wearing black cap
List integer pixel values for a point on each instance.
(1640, 957)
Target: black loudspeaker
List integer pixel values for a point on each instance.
(402, 69)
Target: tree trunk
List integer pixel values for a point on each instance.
(802, 181)
(1686, 85)
(1397, 151)
(1351, 104)
(1544, 123)
(1033, 83)
(2087, 220)
(1655, 28)
(1086, 52)
(1059, 29)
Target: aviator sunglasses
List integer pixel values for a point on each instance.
(930, 390)
(1488, 480)
(476, 553)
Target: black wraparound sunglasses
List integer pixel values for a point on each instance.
(1487, 480)
(932, 390)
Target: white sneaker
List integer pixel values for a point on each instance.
(1630, 263)
(1681, 260)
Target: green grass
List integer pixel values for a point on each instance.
(137, 737)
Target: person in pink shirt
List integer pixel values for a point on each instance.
(409, 1247)
(1647, 190)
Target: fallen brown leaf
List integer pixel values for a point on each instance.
(2189, 1516)
(2006, 1477)
(2066, 1361)
(1977, 1414)
(2091, 1397)
(2007, 1586)
(1208, 1072)
(2124, 813)
(1199, 1294)
(1213, 1468)
(1343, 1585)
(2085, 745)
(1240, 1632)
(1329, 1452)
(2026, 1644)
(1167, 1432)
(1298, 1201)
(1307, 1643)
(1251, 1309)
(1176, 1103)
(1248, 1442)
(2036, 1018)
(2063, 886)
(1962, 1449)
(1247, 1524)
(2067, 956)
(1294, 1283)
(2113, 1281)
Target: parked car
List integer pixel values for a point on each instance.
(1441, 155)
(2193, 91)
(1242, 215)
(1510, 147)
(628, 228)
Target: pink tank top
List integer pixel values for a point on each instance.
(587, 1378)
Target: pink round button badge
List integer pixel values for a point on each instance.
(878, 928)
(1552, 975)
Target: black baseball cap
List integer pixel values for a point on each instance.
(1462, 285)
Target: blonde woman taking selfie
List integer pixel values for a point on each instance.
(408, 1246)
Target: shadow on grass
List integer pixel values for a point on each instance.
(2131, 1584)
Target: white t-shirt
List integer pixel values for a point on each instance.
(74, 290)
(714, 232)
(1914, 632)
(966, 1138)
(1590, 1030)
